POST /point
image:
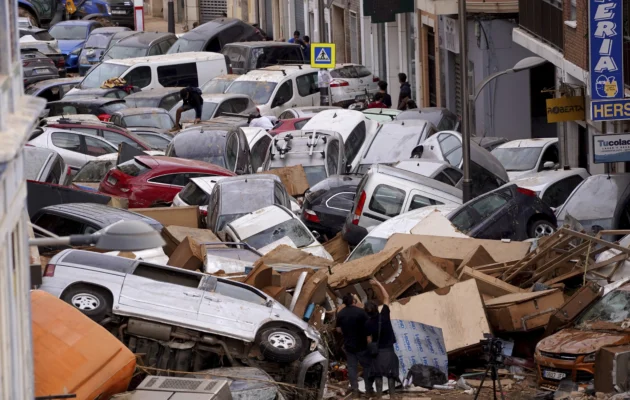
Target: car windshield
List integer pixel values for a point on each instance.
(370, 245)
(101, 73)
(94, 171)
(154, 141)
(184, 45)
(121, 52)
(216, 85)
(68, 32)
(609, 312)
(193, 195)
(98, 41)
(207, 146)
(35, 163)
(153, 120)
(387, 147)
(260, 92)
(517, 158)
(315, 174)
(292, 229)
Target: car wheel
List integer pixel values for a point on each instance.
(92, 301)
(24, 13)
(540, 228)
(281, 345)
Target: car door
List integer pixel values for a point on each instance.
(556, 194)
(333, 163)
(385, 202)
(420, 198)
(233, 310)
(551, 153)
(96, 147)
(69, 147)
(495, 216)
(307, 90)
(159, 293)
(283, 98)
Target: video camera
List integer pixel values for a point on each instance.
(492, 349)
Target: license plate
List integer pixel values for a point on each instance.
(40, 71)
(112, 181)
(119, 12)
(557, 376)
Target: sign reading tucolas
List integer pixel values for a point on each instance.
(611, 148)
(606, 61)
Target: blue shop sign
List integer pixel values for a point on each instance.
(606, 49)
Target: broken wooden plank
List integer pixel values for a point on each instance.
(360, 269)
(556, 262)
(487, 284)
(475, 258)
(434, 275)
(531, 260)
(338, 248)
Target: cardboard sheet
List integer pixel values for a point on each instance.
(417, 343)
(293, 178)
(288, 255)
(360, 269)
(457, 310)
(436, 224)
(180, 216)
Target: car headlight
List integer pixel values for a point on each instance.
(590, 357)
(76, 51)
(83, 59)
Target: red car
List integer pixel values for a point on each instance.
(292, 124)
(148, 181)
(110, 132)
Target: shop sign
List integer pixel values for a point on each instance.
(611, 148)
(565, 109)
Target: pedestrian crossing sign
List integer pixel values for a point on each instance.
(323, 55)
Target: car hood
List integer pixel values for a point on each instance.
(93, 53)
(575, 341)
(66, 46)
(519, 174)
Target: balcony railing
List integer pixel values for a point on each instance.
(543, 18)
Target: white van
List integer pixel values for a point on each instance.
(152, 72)
(279, 87)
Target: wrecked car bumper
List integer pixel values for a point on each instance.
(317, 363)
(550, 371)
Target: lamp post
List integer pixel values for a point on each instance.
(465, 125)
(524, 64)
(122, 236)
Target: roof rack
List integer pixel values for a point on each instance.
(284, 146)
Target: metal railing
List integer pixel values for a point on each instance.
(543, 18)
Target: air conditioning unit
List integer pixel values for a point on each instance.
(169, 388)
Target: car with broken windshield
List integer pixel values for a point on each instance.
(215, 105)
(271, 226)
(528, 156)
(571, 353)
(231, 198)
(199, 319)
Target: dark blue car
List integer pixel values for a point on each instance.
(96, 45)
(71, 36)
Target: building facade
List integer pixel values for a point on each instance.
(18, 114)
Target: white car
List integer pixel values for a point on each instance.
(356, 130)
(271, 226)
(196, 193)
(305, 112)
(528, 156)
(259, 141)
(553, 187)
(214, 105)
(439, 170)
(376, 239)
(276, 88)
(39, 37)
(76, 148)
(350, 81)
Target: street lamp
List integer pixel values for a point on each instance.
(121, 236)
(524, 64)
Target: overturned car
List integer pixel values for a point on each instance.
(186, 321)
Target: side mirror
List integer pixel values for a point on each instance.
(316, 235)
(348, 168)
(549, 165)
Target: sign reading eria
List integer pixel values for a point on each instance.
(611, 148)
(606, 61)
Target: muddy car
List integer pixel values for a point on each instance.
(570, 353)
(185, 320)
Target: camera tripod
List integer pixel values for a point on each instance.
(492, 368)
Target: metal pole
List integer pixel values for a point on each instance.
(463, 52)
(321, 26)
(171, 16)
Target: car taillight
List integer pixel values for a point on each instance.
(25, 63)
(68, 171)
(104, 117)
(359, 210)
(339, 83)
(204, 213)
(49, 271)
(310, 216)
(61, 63)
(526, 192)
(376, 79)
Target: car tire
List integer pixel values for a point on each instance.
(281, 345)
(24, 13)
(540, 228)
(92, 301)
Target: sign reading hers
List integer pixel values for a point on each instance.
(606, 61)
(611, 148)
(323, 55)
(565, 109)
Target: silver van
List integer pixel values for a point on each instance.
(385, 192)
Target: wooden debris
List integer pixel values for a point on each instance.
(488, 285)
(338, 248)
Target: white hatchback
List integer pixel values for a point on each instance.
(528, 156)
(350, 81)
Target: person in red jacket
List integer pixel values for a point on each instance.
(378, 101)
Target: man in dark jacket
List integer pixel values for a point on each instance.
(192, 100)
(405, 91)
(351, 323)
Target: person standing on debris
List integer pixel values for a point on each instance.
(192, 100)
(351, 322)
(405, 91)
(379, 330)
